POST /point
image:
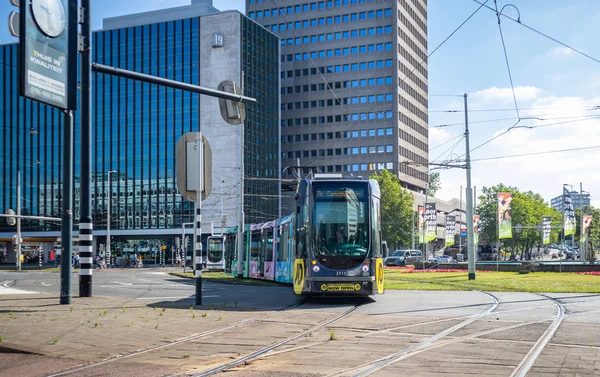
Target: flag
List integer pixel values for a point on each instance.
(504, 215)
(421, 223)
(569, 213)
(587, 221)
(546, 229)
(430, 222)
(476, 229)
(450, 230)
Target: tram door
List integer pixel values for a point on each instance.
(255, 253)
(268, 270)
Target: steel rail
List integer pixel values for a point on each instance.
(173, 343)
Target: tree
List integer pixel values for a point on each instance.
(528, 208)
(396, 210)
(434, 183)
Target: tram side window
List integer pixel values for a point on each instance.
(269, 245)
(255, 245)
(282, 253)
(375, 227)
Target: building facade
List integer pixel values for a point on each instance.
(135, 127)
(579, 200)
(353, 84)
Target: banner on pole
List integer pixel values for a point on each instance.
(546, 229)
(450, 230)
(476, 229)
(430, 222)
(421, 223)
(569, 213)
(504, 215)
(587, 221)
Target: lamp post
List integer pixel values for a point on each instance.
(108, 217)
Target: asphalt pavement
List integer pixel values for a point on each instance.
(143, 323)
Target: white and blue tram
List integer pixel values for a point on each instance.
(331, 245)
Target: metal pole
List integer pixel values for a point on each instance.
(108, 252)
(413, 231)
(497, 233)
(460, 222)
(119, 72)
(85, 199)
(183, 245)
(240, 232)
(19, 221)
(67, 216)
(425, 226)
(581, 246)
(470, 235)
(198, 223)
(40, 257)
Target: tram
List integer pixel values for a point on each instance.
(215, 253)
(331, 245)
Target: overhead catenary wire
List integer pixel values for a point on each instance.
(536, 153)
(540, 33)
(506, 59)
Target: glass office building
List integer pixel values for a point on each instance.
(136, 126)
(354, 84)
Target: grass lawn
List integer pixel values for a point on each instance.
(493, 281)
(222, 277)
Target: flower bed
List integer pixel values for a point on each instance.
(597, 273)
(440, 270)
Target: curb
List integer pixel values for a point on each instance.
(259, 283)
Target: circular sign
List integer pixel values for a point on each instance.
(50, 16)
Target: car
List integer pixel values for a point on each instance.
(443, 259)
(403, 257)
(396, 259)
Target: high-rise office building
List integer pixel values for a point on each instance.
(353, 84)
(135, 127)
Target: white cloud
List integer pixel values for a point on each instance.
(542, 173)
(494, 94)
(561, 51)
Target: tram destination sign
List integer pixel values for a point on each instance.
(48, 52)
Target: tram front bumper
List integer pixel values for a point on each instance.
(341, 285)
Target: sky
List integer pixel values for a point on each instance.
(552, 84)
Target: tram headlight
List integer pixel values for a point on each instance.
(316, 268)
(365, 268)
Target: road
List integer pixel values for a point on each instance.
(267, 331)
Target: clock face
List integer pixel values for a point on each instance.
(50, 16)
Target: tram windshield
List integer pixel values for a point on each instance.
(215, 249)
(340, 223)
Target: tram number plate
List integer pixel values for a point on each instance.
(341, 287)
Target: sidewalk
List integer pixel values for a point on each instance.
(91, 329)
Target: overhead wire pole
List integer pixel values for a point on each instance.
(470, 235)
(86, 225)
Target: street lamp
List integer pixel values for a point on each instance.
(108, 217)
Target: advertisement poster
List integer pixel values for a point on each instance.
(504, 215)
(450, 230)
(546, 229)
(430, 222)
(421, 223)
(587, 221)
(476, 229)
(46, 53)
(569, 214)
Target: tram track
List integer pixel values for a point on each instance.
(265, 350)
(172, 343)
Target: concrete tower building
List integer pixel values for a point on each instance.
(347, 104)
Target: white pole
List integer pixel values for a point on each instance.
(198, 222)
(108, 253)
(19, 221)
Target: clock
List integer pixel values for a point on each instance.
(50, 16)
